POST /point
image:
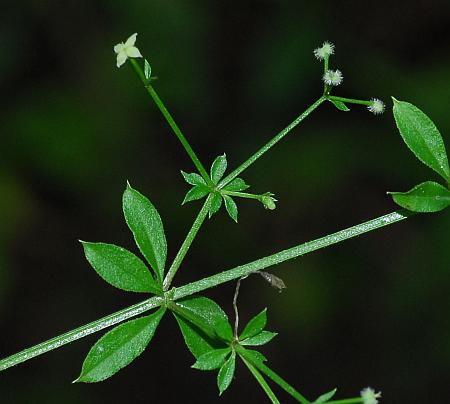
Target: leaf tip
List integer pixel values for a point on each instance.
(394, 100)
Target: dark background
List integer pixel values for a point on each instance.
(371, 311)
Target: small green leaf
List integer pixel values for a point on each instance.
(255, 325)
(120, 267)
(119, 347)
(212, 359)
(218, 168)
(193, 178)
(340, 105)
(231, 207)
(422, 137)
(260, 339)
(145, 223)
(147, 70)
(226, 373)
(195, 193)
(426, 197)
(325, 397)
(255, 356)
(238, 184)
(215, 204)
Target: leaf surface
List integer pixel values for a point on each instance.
(255, 325)
(218, 168)
(231, 207)
(226, 373)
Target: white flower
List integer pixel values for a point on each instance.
(127, 50)
(369, 396)
(325, 51)
(376, 106)
(333, 77)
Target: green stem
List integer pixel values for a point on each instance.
(349, 100)
(187, 243)
(269, 144)
(347, 401)
(241, 194)
(201, 169)
(273, 376)
(204, 284)
(260, 379)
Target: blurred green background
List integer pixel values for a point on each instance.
(371, 311)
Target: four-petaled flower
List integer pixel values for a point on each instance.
(127, 50)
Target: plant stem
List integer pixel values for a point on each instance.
(346, 401)
(260, 379)
(269, 144)
(201, 169)
(187, 243)
(241, 194)
(349, 100)
(273, 376)
(204, 284)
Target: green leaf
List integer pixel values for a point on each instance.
(325, 397)
(426, 197)
(215, 204)
(119, 347)
(226, 373)
(120, 267)
(231, 207)
(255, 325)
(147, 70)
(212, 359)
(195, 193)
(193, 178)
(238, 184)
(145, 223)
(422, 137)
(340, 105)
(218, 168)
(260, 339)
(255, 356)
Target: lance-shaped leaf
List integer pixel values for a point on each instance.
(120, 267)
(255, 325)
(193, 178)
(203, 323)
(195, 193)
(226, 373)
(212, 359)
(238, 184)
(145, 223)
(117, 348)
(260, 339)
(325, 397)
(216, 203)
(231, 207)
(426, 197)
(254, 356)
(422, 137)
(147, 70)
(218, 168)
(340, 105)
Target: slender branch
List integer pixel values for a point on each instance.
(235, 307)
(241, 194)
(347, 401)
(260, 379)
(348, 100)
(187, 243)
(269, 144)
(204, 284)
(201, 169)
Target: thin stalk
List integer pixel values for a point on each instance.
(187, 243)
(269, 144)
(349, 100)
(260, 379)
(347, 401)
(204, 284)
(201, 169)
(241, 194)
(273, 376)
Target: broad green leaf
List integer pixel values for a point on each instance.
(325, 397)
(422, 137)
(340, 105)
(255, 325)
(231, 207)
(215, 204)
(260, 339)
(195, 193)
(226, 373)
(193, 178)
(218, 168)
(426, 197)
(120, 267)
(212, 359)
(147, 70)
(255, 356)
(144, 221)
(238, 184)
(119, 347)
